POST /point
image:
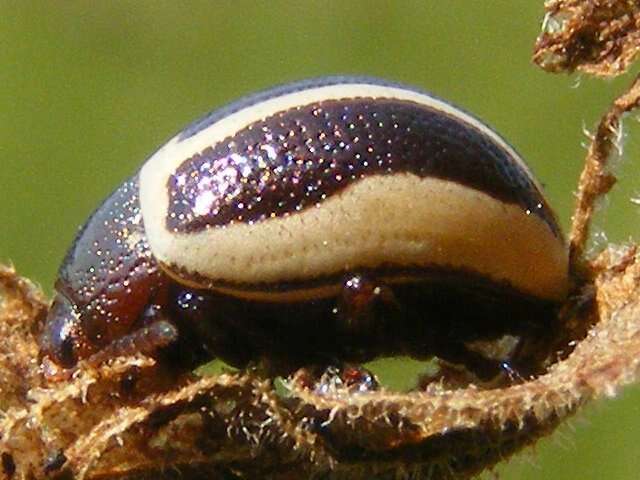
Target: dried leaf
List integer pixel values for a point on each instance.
(598, 37)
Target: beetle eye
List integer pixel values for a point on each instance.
(65, 353)
(60, 333)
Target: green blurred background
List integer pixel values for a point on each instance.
(89, 89)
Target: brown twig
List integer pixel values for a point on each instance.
(595, 180)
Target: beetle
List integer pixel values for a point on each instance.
(330, 220)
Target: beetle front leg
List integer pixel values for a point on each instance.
(146, 340)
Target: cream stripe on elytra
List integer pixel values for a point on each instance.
(425, 221)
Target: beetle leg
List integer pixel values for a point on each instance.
(146, 340)
(360, 297)
(452, 375)
(354, 378)
(492, 374)
(513, 374)
(484, 368)
(532, 353)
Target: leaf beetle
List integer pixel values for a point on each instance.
(331, 220)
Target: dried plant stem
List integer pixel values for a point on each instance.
(595, 180)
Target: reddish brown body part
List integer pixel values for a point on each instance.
(109, 284)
